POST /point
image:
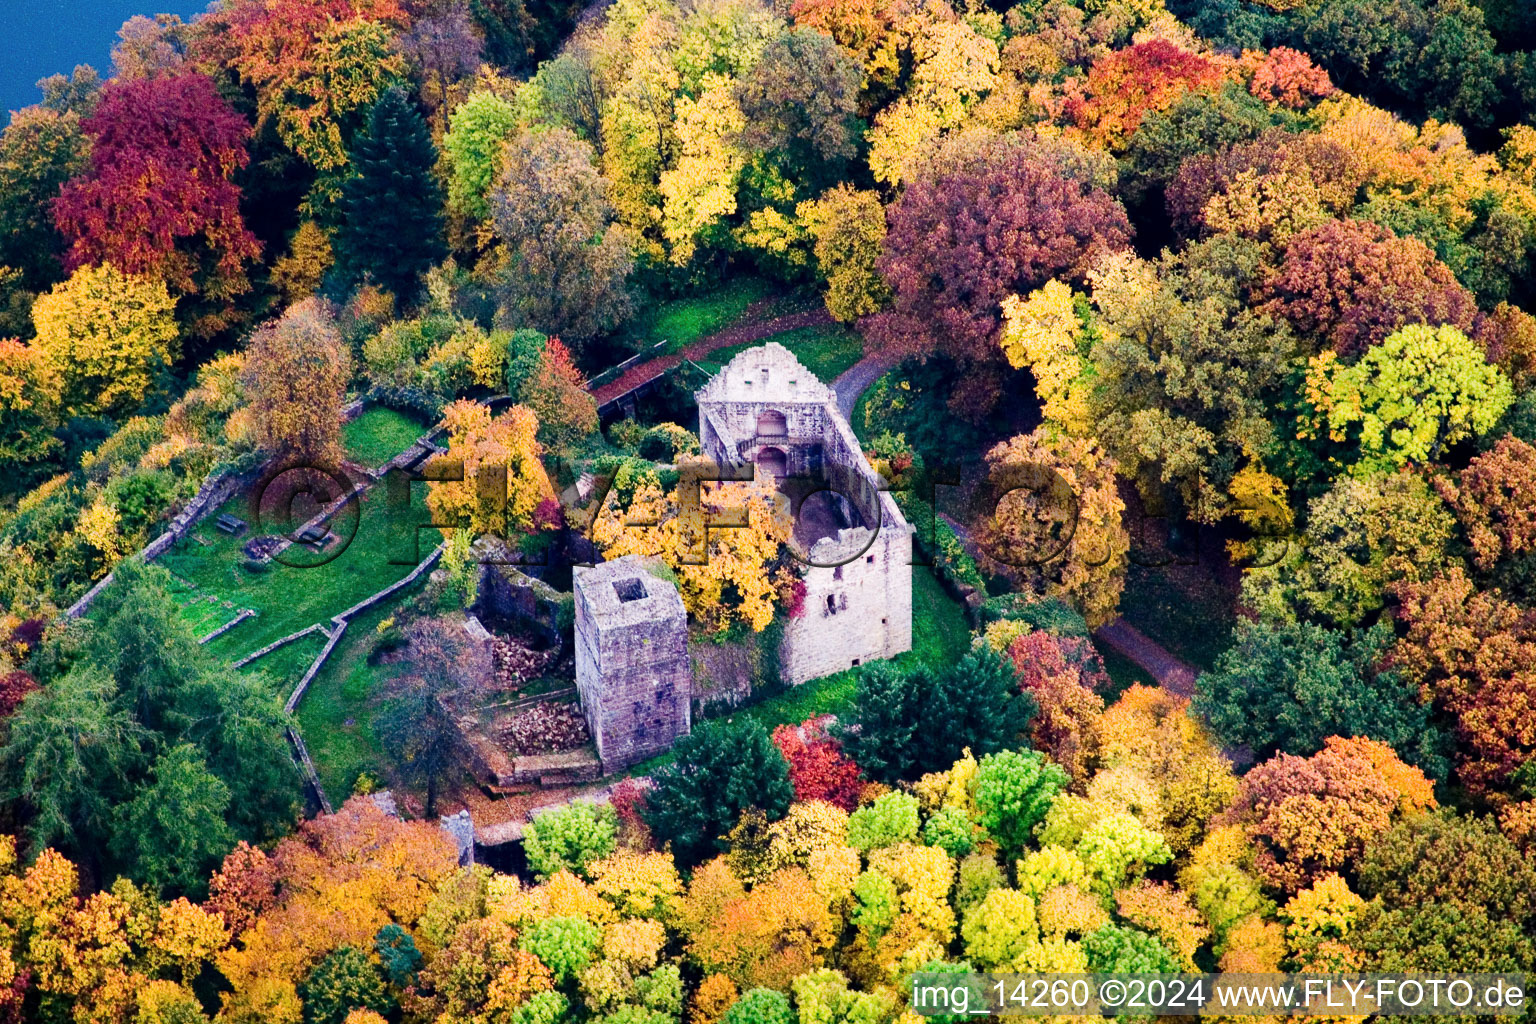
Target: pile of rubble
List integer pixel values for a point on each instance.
(516, 665)
(545, 729)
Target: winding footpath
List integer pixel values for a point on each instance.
(1153, 658)
(737, 334)
(857, 379)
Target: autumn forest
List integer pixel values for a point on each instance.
(1189, 336)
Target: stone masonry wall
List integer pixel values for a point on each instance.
(859, 611)
(858, 604)
(632, 668)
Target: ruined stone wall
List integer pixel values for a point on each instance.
(858, 604)
(860, 610)
(509, 598)
(854, 613)
(632, 667)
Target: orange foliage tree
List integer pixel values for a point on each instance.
(1313, 815)
(770, 936)
(1287, 77)
(1127, 85)
(104, 957)
(556, 391)
(334, 883)
(298, 368)
(1473, 653)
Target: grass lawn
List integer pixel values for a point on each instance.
(203, 612)
(941, 634)
(856, 420)
(378, 435)
(287, 665)
(826, 351)
(335, 716)
(288, 598)
(681, 322)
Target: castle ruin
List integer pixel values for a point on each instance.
(632, 668)
(765, 409)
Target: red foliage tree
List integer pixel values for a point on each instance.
(157, 199)
(1127, 85)
(1061, 673)
(1288, 77)
(1309, 816)
(25, 637)
(628, 800)
(817, 767)
(244, 888)
(1495, 499)
(1351, 283)
(1474, 654)
(1508, 335)
(14, 687)
(966, 238)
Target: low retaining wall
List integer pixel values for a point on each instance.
(219, 487)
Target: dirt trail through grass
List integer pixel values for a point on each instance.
(738, 334)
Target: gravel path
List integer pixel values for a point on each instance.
(1171, 673)
(857, 379)
(1125, 639)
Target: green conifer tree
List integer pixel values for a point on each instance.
(392, 207)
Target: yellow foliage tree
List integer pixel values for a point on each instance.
(98, 524)
(298, 273)
(30, 388)
(834, 870)
(809, 826)
(1057, 524)
(1318, 923)
(923, 876)
(999, 929)
(701, 188)
(106, 332)
(1151, 731)
(1044, 333)
(634, 942)
(848, 228)
(953, 67)
(705, 555)
(644, 884)
(502, 482)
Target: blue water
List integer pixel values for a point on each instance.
(41, 37)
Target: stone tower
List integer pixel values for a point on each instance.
(632, 667)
